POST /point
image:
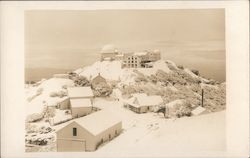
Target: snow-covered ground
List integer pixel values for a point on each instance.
(150, 132)
(143, 134)
(51, 85)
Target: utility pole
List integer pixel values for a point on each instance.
(202, 98)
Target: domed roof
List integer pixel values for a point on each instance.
(110, 48)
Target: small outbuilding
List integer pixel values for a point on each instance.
(64, 103)
(142, 103)
(98, 80)
(81, 99)
(87, 133)
(80, 107)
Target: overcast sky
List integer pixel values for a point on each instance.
(71, 39)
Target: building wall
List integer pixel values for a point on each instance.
(80, 111)
(65, 138)
(83, 135)
(108, 134)
(131, 61)
(142, 109)
(64, 104)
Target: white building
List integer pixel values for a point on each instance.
(130, 60)
(81, 99)
(80, 107)
(87, 133)
(142, 103)
(140, 59)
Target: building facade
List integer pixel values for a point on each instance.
(140, 59)
(131, 60)
(81, 100)
(87, 133)
(142, 103)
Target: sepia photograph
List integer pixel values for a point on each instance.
(125, 80)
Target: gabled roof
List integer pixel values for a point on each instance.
(141, 99)
(78, 92)
(80, 102)
(98, 77)
(94, 123)
(98, 122)
(149, 100)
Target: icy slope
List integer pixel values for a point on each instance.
(161, 136)
(51, 85)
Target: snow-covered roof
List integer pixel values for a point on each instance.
(80, 102)
(78, 92)
(141, 99)
(98, 122)
(149, 100)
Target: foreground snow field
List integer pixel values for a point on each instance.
(152, 133)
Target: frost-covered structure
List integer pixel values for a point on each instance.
(140, 59)
(142, 103)
(87, 133)
(80, 101)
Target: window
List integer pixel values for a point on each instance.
(74, 131)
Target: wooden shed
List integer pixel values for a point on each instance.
(87, 133)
